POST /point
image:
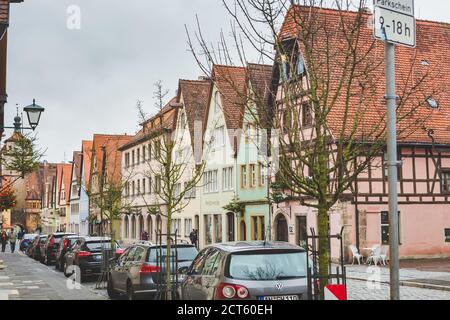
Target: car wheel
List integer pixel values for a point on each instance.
(130, 292)
(113, 294)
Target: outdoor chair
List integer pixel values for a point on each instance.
(375, 257)
(356, 255)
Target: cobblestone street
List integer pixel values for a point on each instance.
(26, 279)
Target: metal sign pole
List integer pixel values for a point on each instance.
(392, 163)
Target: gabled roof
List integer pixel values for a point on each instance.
(64, 174)
(86, 150)
(196, 95)
(430, 56)
(33, 185)
(108, 145)
(76, 165)
(260, 77)
(154, 125)
(231, 84)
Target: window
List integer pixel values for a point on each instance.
(244, 176)
(262, 174)
(217, 102)
(74, 208)
(258, 228)
(287, 120)
(445, 181)
(219, 137)
(132, 158)
(252, 175)
(149, 148)
(133, 188)
(157, 151)
(158, 184)
(191, 193)
(385, 228)
(144, 154)
(210, 181)
(187, 227)
(143, 186)
(447, 235)
(74, 190)
(208, 229)
(176, 226)
(212, 263)
(127, 160)
(138, 152)
(127, 189)
(227, 179)
(217, 228)
(177, 190)
(306, 115)
(150, 185)
(139, 187)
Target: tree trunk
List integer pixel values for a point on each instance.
(168, 254)
(324, 254)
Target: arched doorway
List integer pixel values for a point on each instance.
(230, 227)
(282, 233)
(242, 231)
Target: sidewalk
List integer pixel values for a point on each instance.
(408, 277)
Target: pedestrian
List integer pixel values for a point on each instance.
(12, 240)
(144, 236)
(20, 234)
(3, 240)
(193, 237)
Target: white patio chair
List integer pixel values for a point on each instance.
(356, 255)
(384, 254)
(375, 257)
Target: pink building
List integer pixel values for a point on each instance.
(424, 176)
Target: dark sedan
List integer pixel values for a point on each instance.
(66, 244)
(51, 246)
(34, 250)
(88, 256)
(137, 273)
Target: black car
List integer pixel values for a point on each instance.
(49, 250)
(66, 244)
(137, 271)
(86, 256)
(34, 250)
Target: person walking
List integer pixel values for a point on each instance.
(12, 240)
(193, 237)
(3, 240)
(144, 236)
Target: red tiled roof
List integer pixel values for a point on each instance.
(4, 12)
(86, 149)
(64, 174)
(111, 143)
(196, 95)
(260, 77)
(432, 46)
(231, 83)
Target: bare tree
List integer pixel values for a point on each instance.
(326, 101)
(174, 173)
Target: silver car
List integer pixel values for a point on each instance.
(247, 271)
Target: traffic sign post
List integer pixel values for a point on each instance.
(394, 23)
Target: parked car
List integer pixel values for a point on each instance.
(26, 241)
(35, 247)
(66, 244)
(247, 271)
(50, 247)
(137, 273)
(86, 256)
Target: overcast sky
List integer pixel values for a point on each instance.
(89, 79)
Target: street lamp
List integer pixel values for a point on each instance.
(34, 112)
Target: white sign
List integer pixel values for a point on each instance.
(394, 27)
(400, 6)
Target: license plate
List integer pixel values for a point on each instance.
(97, 258)
(272, 298)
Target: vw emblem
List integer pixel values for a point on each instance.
(279, 286)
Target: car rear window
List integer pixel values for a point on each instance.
(184, 253)
(99, 245)
(268, 266)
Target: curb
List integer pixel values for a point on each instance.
(410, 284)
